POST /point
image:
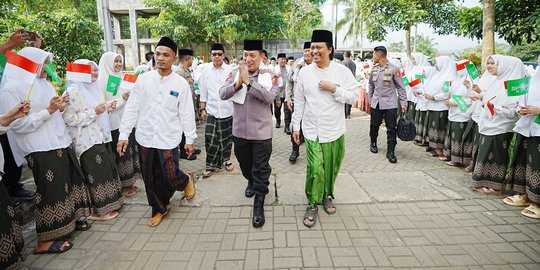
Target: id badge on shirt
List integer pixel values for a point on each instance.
(173, 93)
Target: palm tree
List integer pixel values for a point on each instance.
(353, 20)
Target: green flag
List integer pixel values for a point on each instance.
(537, 119)
(446, 87)
(112, 84)
(419, 76)
(3, 61)
(54, 76)
(460, 102)
(405, 81)
(518, 87)
(473, 72)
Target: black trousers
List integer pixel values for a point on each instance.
(390, 119)
(348, 110)
(288, 115)
(254, 157)
(12, 172)
(277, 111)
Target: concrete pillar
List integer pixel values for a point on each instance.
(134, 38)
(117, 30)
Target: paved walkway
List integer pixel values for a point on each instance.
(418, 213)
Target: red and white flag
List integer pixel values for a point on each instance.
(79, 72)
(20, 67)
(461, 66)
(128, 82)
(415, 82)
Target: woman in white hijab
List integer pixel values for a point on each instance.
(476, 93)
(61, 198)
(420, 118)
(128, 165)
(88, 124)
(498, 118)
(525, 166)
(455, 152)
(407, 68)
(437, 116)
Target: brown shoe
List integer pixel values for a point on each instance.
(189, 191)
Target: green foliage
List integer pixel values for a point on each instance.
(426, 45)
(301, 17)
(516, 21)
(475, 58)
(396, 47)
(527, 51)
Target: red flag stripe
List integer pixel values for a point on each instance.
(415, 82)
(505, 85)
(22, 62)
(80, 68)
(491, 109)
(366, 66)
(461, 66)
(130, 78)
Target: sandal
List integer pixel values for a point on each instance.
(432, 153)
(516, 200)
(156, 219)
(444, 158)
(310, 217)
(82, 225)
(532, 211)
(468, 169)
(128, 192)
(328, 206)
(487, 191)
(56, 247)
(207, 173)
(189, 190)
(108, 216)
(229, 166)
(453, 163)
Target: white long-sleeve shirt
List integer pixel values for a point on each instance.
(211, 80)
(116, 115)
(39, 131)
(162, 108)
(322, 113)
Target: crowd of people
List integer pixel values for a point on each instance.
(86, 146)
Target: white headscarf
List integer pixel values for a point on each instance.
(508, 68)
(93, 96)
(446, 72)
(106, 68)
(421, 59)
(408, 66)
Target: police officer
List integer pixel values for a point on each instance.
(385, 80)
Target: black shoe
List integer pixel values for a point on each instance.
(391, 157)
(21, 192)
(278, 125)
(197, 151)
(249, 190)
(185, 156)
(294, 156)
(258, 211)
(287, 130)
(373, 148)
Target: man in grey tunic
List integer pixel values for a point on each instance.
(252, 90)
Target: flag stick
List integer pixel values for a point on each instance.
(29, 92)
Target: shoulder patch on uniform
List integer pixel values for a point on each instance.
(398, 72)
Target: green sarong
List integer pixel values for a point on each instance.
(323, 164)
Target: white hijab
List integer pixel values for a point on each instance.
(408, 66)
(92, 95)
(106, 68)
(508, 68)
(446, 72)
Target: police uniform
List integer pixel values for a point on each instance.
(384, 81)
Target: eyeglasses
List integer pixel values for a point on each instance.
(217, 54)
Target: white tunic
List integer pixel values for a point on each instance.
(211, 80)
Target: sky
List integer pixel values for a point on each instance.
(447, 43)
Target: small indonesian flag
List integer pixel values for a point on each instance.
(366, 66)
(415, 82)
(20, 67)
(416, 76)
(79, 72)
(461, 66)
(128, 82)
(491, 108)
(517, 87)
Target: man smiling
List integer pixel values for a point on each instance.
(321, 91)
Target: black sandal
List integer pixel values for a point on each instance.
(327, 204)
(82, 225)
(310, 217)
(56, 247)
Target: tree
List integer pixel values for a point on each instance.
(396, 47)
(488, 29)
(528, 52)
(426, 45)
(301, 17)
(402, 15)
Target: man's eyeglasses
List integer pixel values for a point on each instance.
(217, 54)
